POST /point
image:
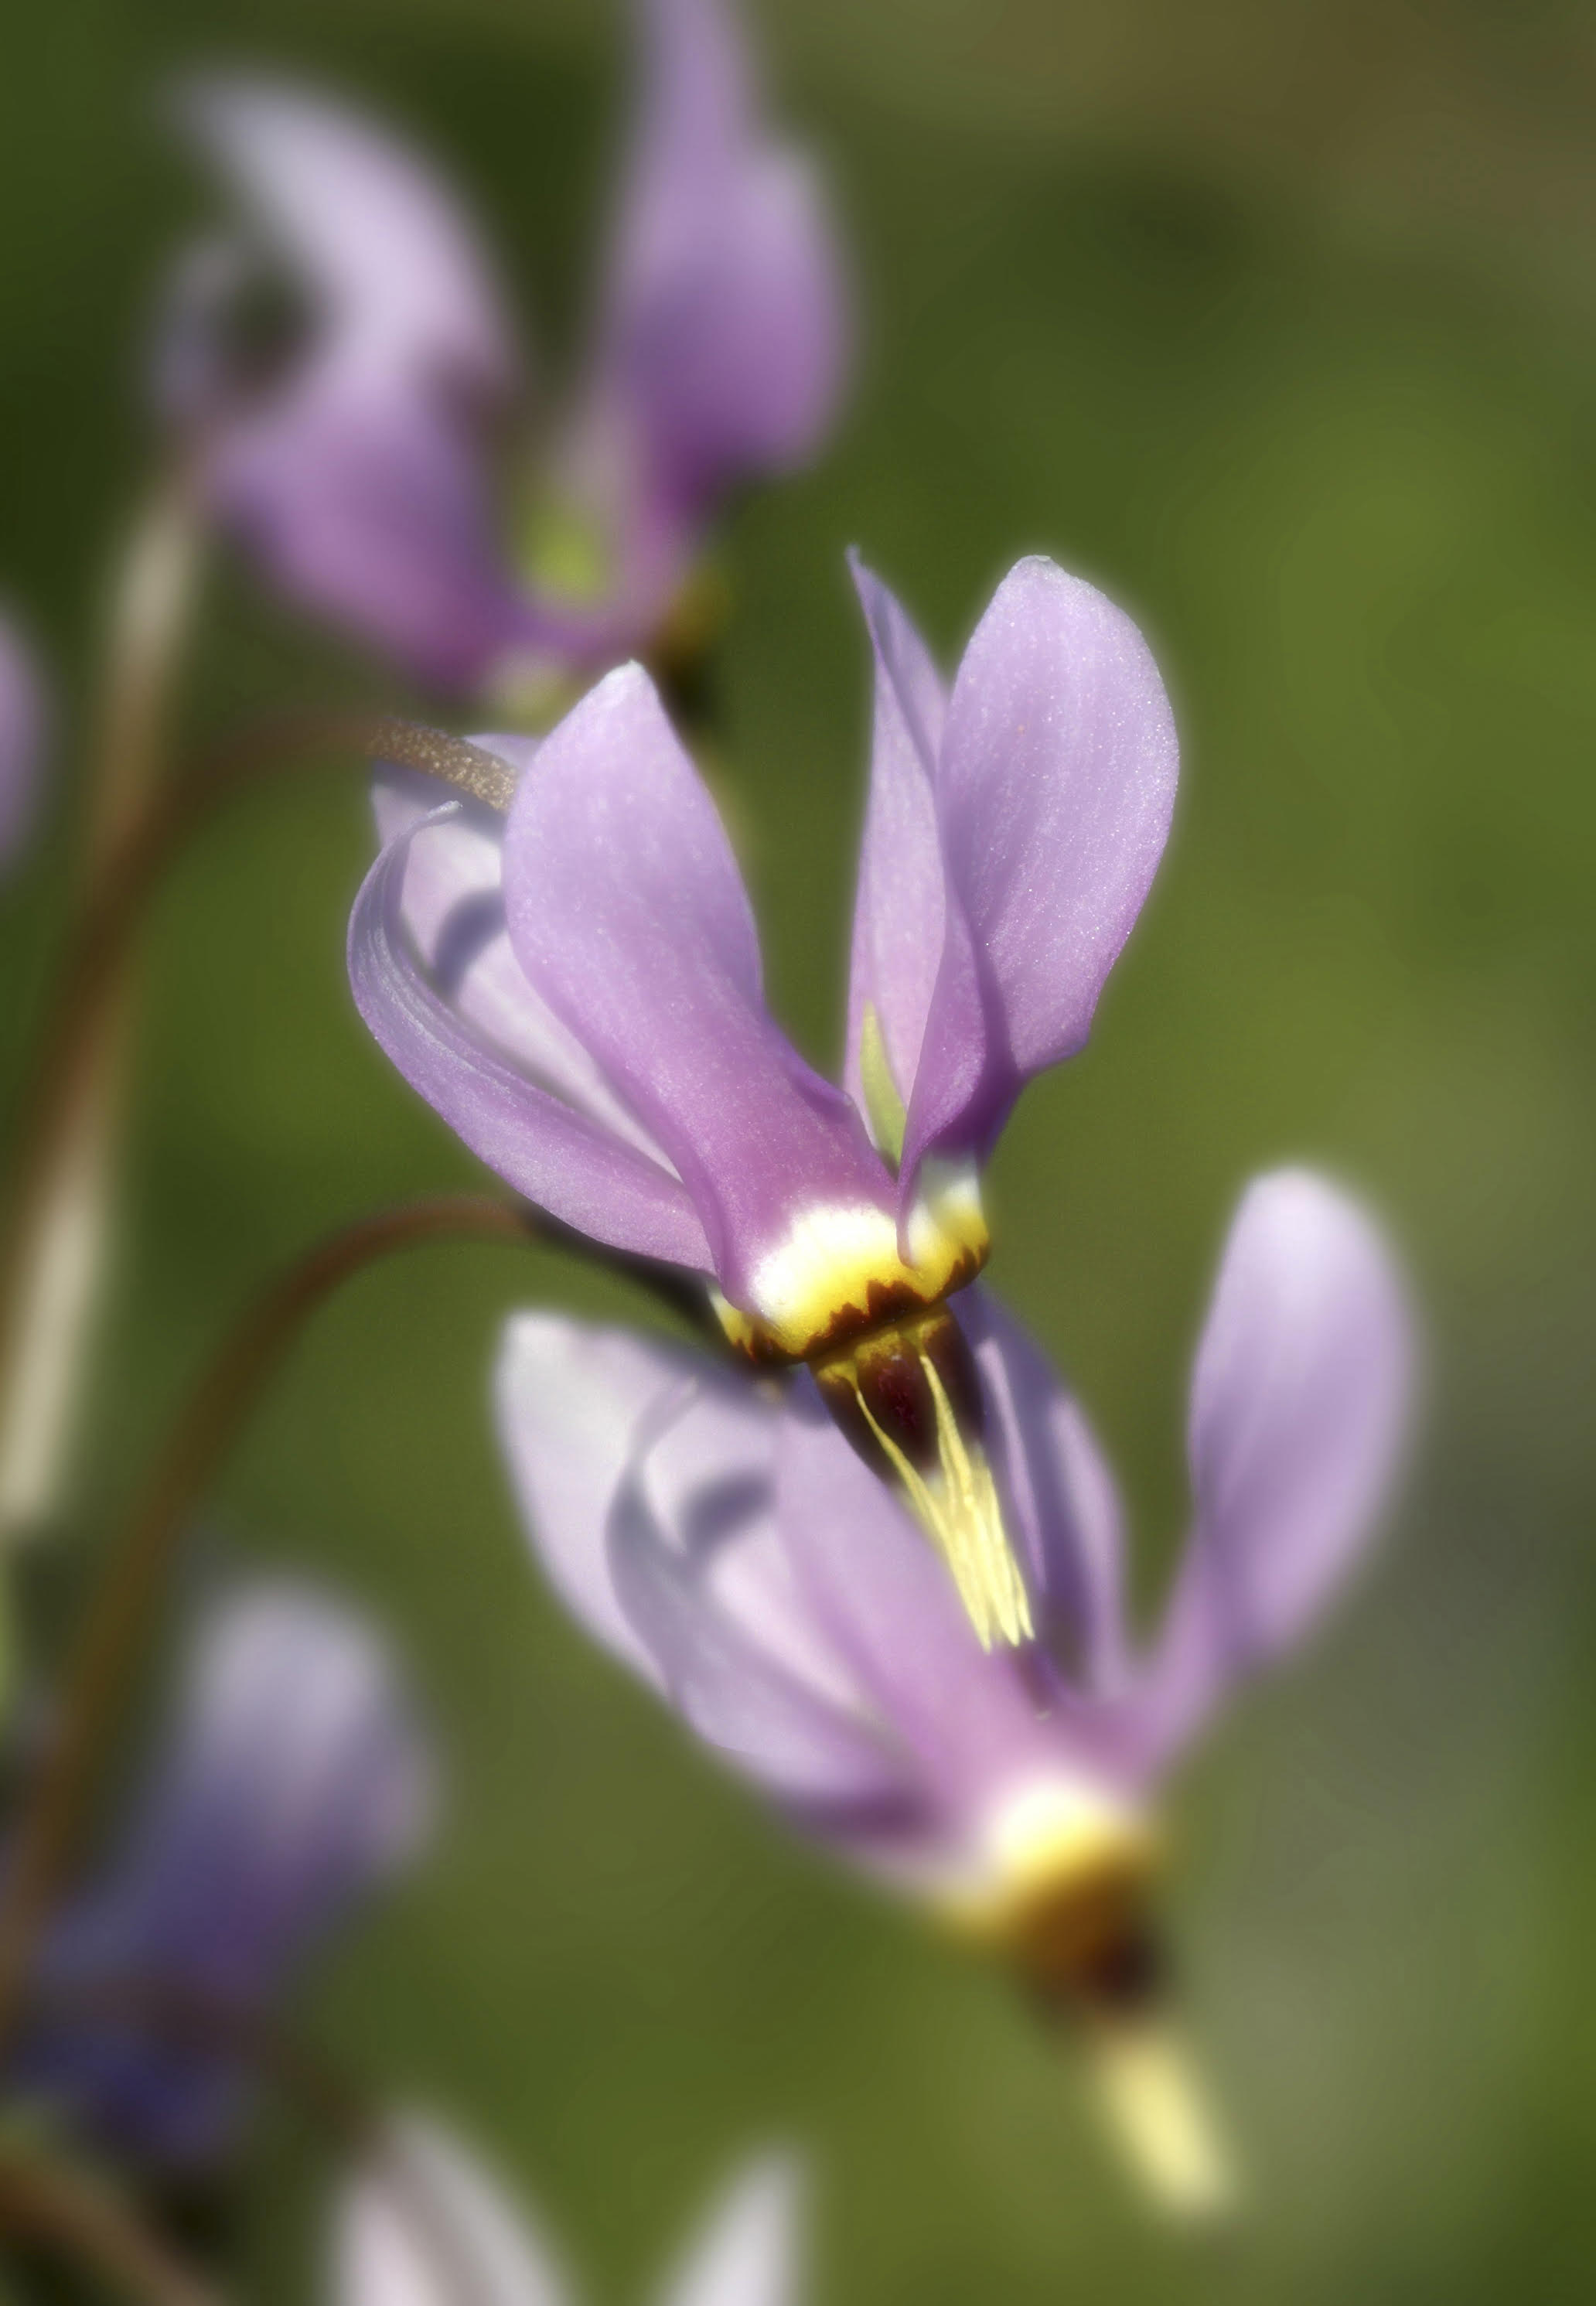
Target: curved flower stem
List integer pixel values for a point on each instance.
(124, 1597)
(51, 1254)
(47, 2201)
(51, 1260)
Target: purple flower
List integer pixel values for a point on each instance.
(581, 999)
(293, 1779)
(21, 740)
(363, 464)
(734, 1552)
(426, 2225)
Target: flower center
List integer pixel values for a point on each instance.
(839, 1271)
(1065, 1896)
(894, 1368)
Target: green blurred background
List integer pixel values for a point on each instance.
(1279, 320)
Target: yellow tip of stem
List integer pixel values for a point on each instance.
(1157, 2110)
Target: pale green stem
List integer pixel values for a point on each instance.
(53, 1260)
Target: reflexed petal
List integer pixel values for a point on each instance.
(558, 1157)
(21, 739)
(376, 233)
(295, 1778)
(369, 501)
(454, 910)
(888, 1605)
(1298, 1409)
(724, 336)
(826, 1767)
(750, 2250)
(296, 1774)
(627, 913)
(900, 909)
(573, 1402)
(1056, 1483)
(424, 2224)
(358, 474)
(1055, 792)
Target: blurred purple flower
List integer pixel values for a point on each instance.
(21, 740)
(594, 1025)
(362, 466)
(294, 1779)
(732, 1551)
(426, 2225)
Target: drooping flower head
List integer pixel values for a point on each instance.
(293, 1779)
(367, 464)
(427, 2225)
(581, 999)
(730, 1549)
(21, 740)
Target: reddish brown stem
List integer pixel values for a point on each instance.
(124, 1596)
(47, 2203)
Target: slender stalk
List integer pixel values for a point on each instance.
(53, 1255)
(49, 2202)
(53, 1252)
(122, 1601)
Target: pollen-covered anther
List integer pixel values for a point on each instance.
(908, 1397)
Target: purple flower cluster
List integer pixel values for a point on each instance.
(293, 1779)
(582, 1001)
(364, 453)
(868, 1549)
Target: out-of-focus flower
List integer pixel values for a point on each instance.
(426, 2225)
(362, 459)
(731, 1550)
(593, 1024)
(21, 739)
(295, 1778)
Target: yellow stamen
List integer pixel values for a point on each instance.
(960, 1514)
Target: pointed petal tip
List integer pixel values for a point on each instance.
(748, 2250)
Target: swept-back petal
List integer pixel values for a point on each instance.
(356, 467)
(374, 232)
(559, 1158)
(1300, 1404)
(690, 1586)
(1058, 1488)
(750, 2250)
(724, 336)
(627, 913)
(365, 497)
(295, 1778)
(888, 1605)
(21, 739)
(1055, 791)
(900, 910)
(424, 2223)
(453, 907)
